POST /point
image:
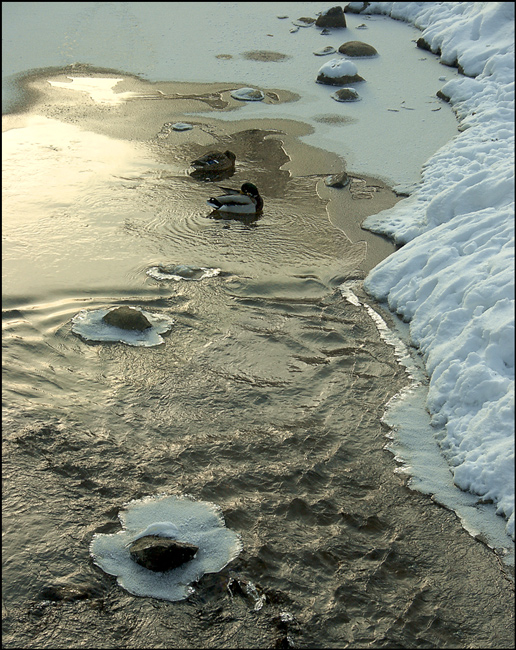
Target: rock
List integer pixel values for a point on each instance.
(357, 48)
(127, 318)
(161, 553)
(345, 95)
(304, 21)
(70, 592)
(181, 272)
(325, 51)
(423, 45)
(333, 17)
(265, 55)
(182, 126)
(442, 96)
(338, 72)
(337, 180)
(356, 7)
(247, 94)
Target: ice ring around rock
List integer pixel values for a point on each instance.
(91, 326)
(181, 272)
(182, 126)
(180, 517)
(247, 94)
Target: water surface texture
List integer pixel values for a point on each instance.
(265, 398)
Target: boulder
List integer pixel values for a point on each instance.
(346, 95)
(338, 72)
(127, 318)
(161, 553)
(333, 17)
(357, 48)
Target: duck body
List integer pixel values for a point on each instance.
(247, 200)
(215, 161)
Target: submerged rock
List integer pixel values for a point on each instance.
(325, 51)
(161, 553)
(304, 21)
(357, 49)
(127, 318)
(181, 272)
(333, 17)
(70, 592)
(248, 94)
(337, 180)
(182, 126)
(265, 55)
(345, 95)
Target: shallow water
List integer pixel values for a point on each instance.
(266, 399)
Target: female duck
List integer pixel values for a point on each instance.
(215, 161)
(247, 200)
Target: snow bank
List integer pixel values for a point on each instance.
(454, 277)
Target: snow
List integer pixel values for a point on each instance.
(454, 277)
(338, 68)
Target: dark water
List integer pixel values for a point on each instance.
(265, 398)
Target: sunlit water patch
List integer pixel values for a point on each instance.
(100, 90)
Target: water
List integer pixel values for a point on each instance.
(266, 398)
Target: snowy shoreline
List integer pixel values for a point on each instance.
(453, 280)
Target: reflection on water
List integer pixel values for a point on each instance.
(265, 399)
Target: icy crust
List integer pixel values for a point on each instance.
(454, 277)
(90, 326)
(197, 522)
(181, 272)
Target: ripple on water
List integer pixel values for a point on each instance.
(266, 402)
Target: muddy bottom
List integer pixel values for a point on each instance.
(265, 398)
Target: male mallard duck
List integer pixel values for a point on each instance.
(247, 200)
(215, 161)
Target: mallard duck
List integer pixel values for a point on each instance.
(247, 200)
(215, 161)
